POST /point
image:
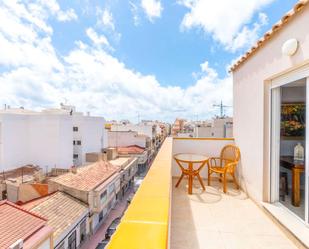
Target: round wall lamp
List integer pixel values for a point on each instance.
(289, 48)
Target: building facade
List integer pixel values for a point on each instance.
(271, 85)
(39, 138)
(52, 138)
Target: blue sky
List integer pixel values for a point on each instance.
(120, 59)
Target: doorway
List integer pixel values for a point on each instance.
(288, 147)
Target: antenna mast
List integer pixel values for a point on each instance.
(221, 106)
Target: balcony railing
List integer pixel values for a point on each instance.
(145, 224)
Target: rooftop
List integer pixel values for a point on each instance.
(132, 149)
(24, 173)
(162, 216)
(121, 162)
(60, 209)
(87, 177)
(221, 221)
(17, 223)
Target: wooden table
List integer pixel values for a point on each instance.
(190, 159)
(297, 167)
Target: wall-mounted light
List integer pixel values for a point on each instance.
(289, 48)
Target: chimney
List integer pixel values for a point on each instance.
(74, 169)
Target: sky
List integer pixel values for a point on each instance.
(136, 59)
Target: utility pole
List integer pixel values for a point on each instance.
(221, 108)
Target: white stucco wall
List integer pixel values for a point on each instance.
(249, 86)
(125, 138)
(207, 147)
(91, 134)
(42, 139)
(145, 129)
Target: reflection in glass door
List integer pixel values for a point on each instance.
(289, 146)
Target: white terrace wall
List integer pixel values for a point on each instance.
(251, 107)
(204, 146)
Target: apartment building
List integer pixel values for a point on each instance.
(52, 138)
(89, 134)
(129, 168)
(137, 152)
(127, 138)
(96, 184)
(39, 138)
(178, 126)
(147, 128)
(218, 127)
(66, 215)
(28, 230)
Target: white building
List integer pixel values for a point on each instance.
(40, 138)
(48, 138)
(219, 127)
(88, 136)
(271, 97)
(145, 129)
(127, 138)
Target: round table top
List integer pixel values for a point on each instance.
(190, 158)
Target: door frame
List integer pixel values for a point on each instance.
(274, 143)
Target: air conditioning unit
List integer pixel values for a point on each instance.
(17, 245)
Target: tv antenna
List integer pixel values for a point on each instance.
(221, 106)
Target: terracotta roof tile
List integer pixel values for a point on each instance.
(132, 149)
(268, 35)
(61, 211)
(87, 177)
(17, 223)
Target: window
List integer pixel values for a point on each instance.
(101, 216)
(72, 241)
(79, 142)
(103, 197)
(109, 205)
(75, 128)
(83, 231)
(75, 156)
(73, 142)
(111, 188)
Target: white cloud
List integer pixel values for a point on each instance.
(134, 11)
(46, 7)
(68, 15)
(105, 19)
(106, 23)
(227, 21)
(152, 8)
(97, 39)
(246, 37)
(91, 78)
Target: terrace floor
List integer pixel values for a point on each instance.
(213, 220)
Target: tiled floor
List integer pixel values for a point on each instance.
(213, 220)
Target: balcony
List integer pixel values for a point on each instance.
(162, 216)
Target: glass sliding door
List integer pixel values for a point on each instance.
(288, 148)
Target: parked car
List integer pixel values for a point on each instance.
(102, 244)
(130, 197)
(112, 227)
